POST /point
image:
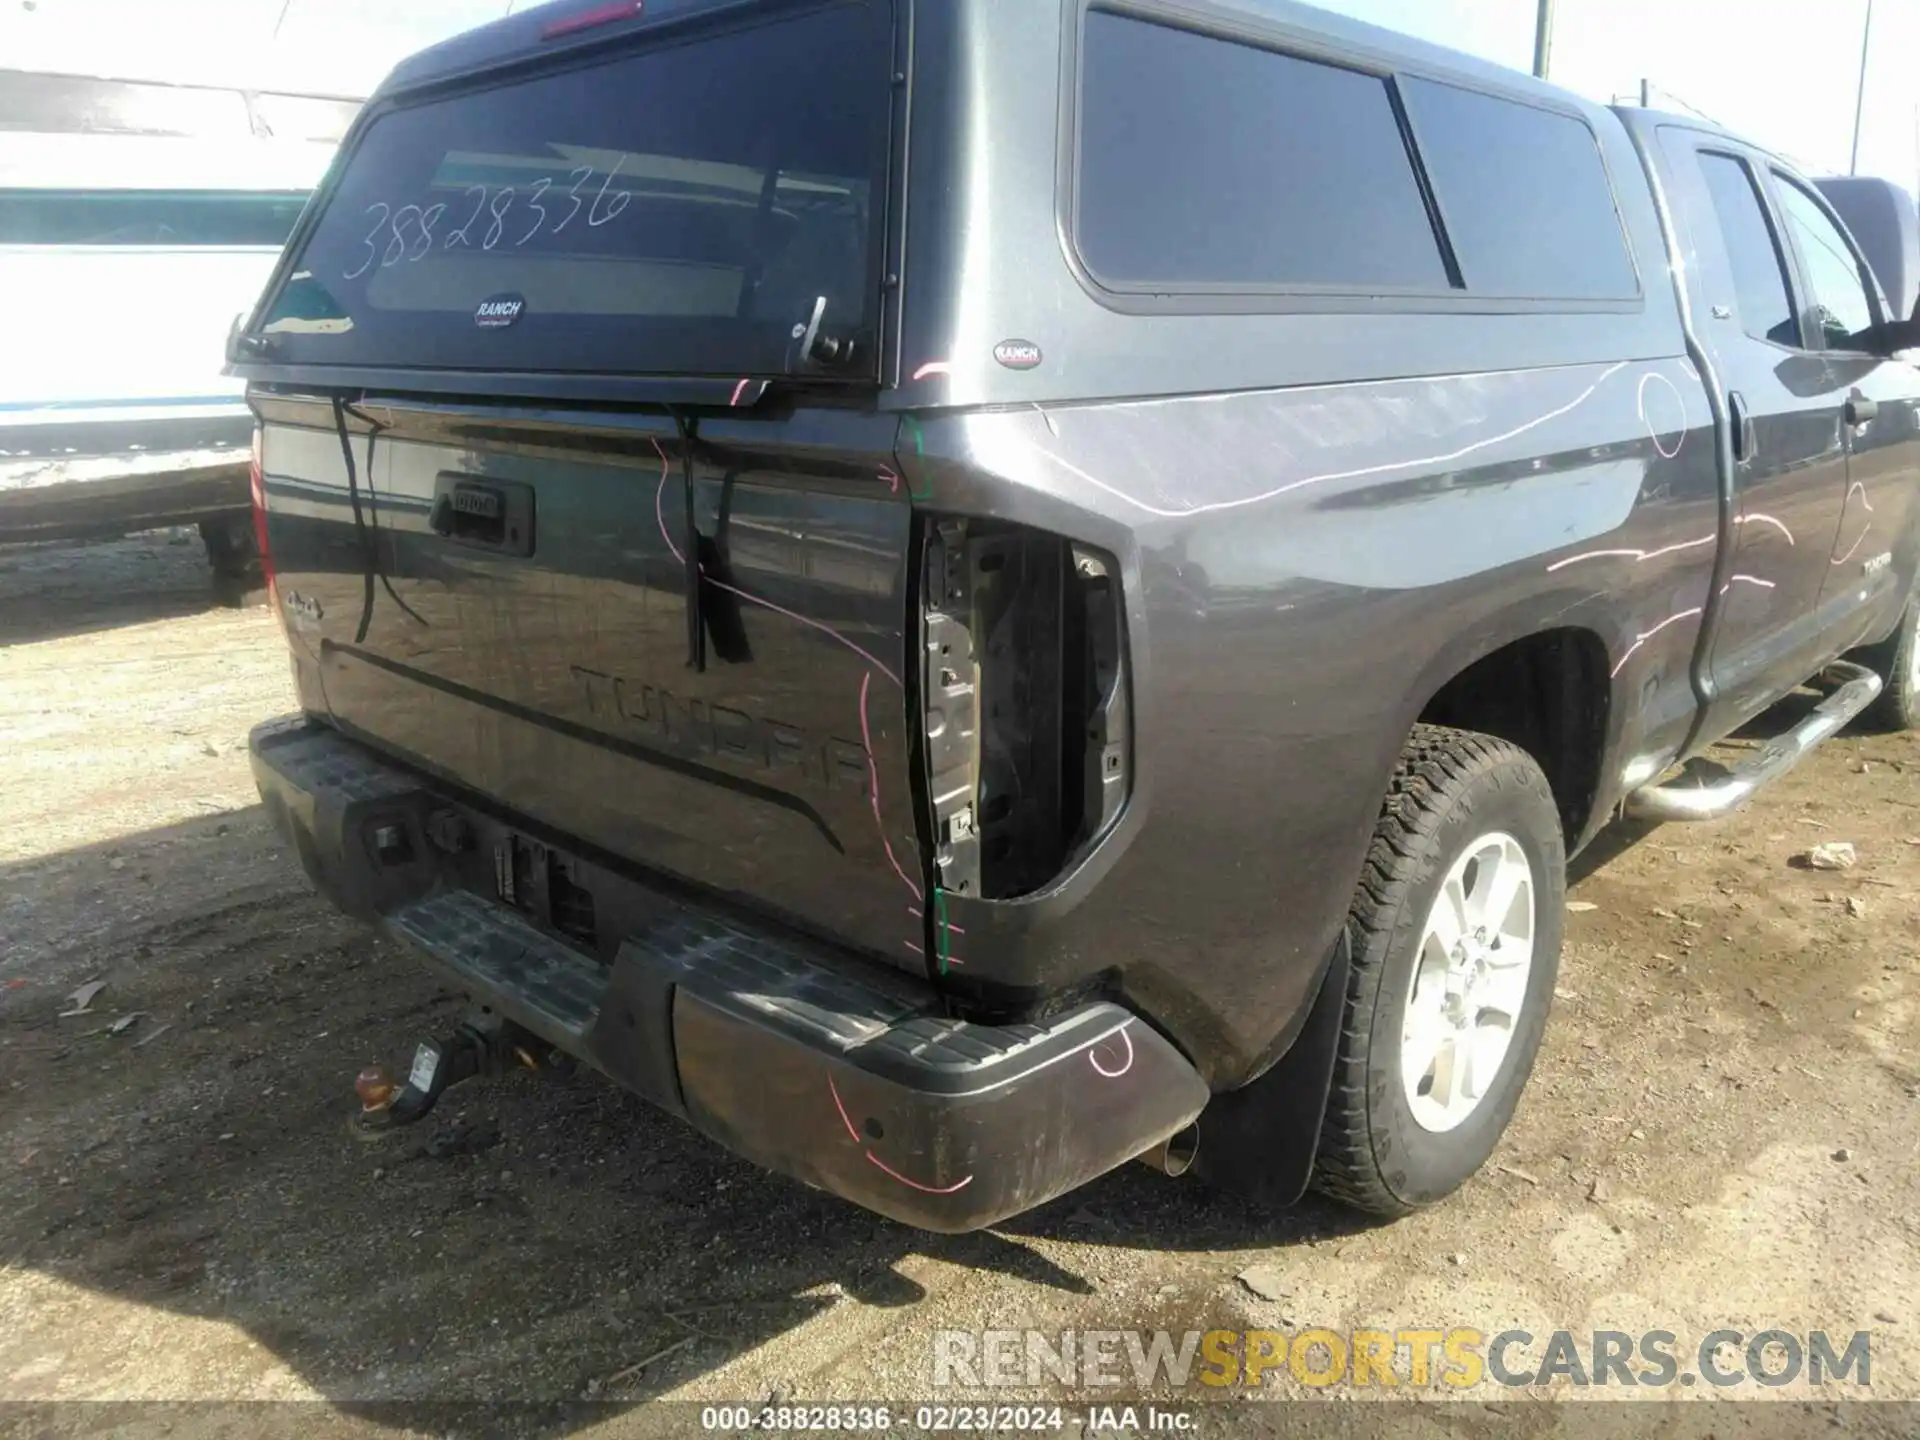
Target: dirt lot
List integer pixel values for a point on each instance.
(1724, 1128)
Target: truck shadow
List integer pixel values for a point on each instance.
(52, 590)
(184, 1146)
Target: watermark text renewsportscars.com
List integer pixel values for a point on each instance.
(1456, 1358)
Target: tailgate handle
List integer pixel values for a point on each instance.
(494, 515)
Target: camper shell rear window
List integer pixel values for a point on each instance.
(676, 204)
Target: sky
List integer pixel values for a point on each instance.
(1781, 72)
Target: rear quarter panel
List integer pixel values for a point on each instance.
(1320, 517)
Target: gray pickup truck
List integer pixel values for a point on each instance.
(960, 593)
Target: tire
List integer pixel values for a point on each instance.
(1896, 660)
(1466, 806)
(234, 557)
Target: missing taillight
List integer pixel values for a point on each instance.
(1028, 730)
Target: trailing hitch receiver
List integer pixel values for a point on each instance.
(484, 1044)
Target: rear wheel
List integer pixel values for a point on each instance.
(1897, 662)
(234, 557)
(1456, 927)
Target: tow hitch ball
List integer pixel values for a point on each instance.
(484, 1044)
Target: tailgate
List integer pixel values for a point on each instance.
(509, 610)
(682, 651)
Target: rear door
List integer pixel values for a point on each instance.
(1786, 399)
(675, 632)
(1842, 304)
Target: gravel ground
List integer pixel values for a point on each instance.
(1723, 1129)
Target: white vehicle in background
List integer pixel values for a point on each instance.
(136, 220)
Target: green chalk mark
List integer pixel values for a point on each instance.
(919, 449)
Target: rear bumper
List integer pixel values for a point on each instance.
(797, 1057)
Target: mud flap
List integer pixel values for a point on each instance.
(1260, 1141)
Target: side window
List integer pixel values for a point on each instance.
(1526, 198)
(1838, 307)
(1208, 163)
(1759, 277)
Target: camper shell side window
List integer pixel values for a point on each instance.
(1216, 169)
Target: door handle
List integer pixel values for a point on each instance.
(1860, 409)
(1745, 439)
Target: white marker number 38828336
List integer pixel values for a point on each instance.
(407, 234)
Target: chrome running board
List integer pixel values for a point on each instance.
(1705, 791)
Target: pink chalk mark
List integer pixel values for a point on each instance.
(854, 1135)
(915, 1184)
(1766, 520)
(1113, 1074)
(873, 788)
(888, 474)
(737, 391)
(1645, 419)
(1188, 511)
(1746, 580)
(918, 951)
(826, 630)
(659, 499)
(812, 624)
(1648, 635)
(933, 367)
(1634, 555)
(1865, 504)
(1637, 556)
(845, 1119)
(866, 733)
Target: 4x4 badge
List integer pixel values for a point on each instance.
(303, 611)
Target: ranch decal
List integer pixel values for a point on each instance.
(496, 312)
(1017, 354)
